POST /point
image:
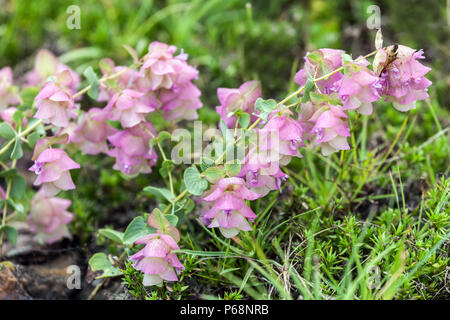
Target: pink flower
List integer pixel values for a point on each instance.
(55, 103)
(162, 70)
(330, 129)
(46, 65)
(181, 102)
(129, 108)
(262, 172)
(9, 94)
(232, 100)
(132, 151)
(156, 260)
(52, 168)
(48, 217)
(289, 134)
(359, 88)
(7, 116)
(230, 212)
(403, 81)
(92, 132)
(320, 63)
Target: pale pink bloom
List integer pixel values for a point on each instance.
(9, 94)
(320, 63)
(242, 98)
(46, 65)
(55, 103)
(230, 212)
(7, 116)
(181, 102)
(262, 172)
(288, 131)
(157, 260)
(359, 88)
(161, 69)
(129, 107)
(132, 150)
(48, 217)
(403, 81)
(330, 129)
(91, 134)
(52, 168)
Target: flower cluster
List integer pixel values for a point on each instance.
(157, 260)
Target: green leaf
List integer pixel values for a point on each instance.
(164, 135)
(6, 131)
(111, 234)
(93, 81)
(166, 166)
(214, 174)
(18, 117)
(244, 120)
(18, 187)
(10, 232)
(33, 138)
(137, 228)
(202, 253)
(265, 107)
(159, 192)
(173, 219)
(100, 262)
(206, 163)
(232, 169)
(195, 184)
(309, 88)
(17, 152)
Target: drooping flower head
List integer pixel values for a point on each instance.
(242, 98)
(129, 107)
(132, 150)
(327, 124)
(157, 260)
(52, 167)
(319, 63)
(161, 69)
(230, 212)
(181, 102)
(55, 102)
(9, 94)
(46, 65)
(402, 76)
(91, 134)
(359, 87)
(48, 217)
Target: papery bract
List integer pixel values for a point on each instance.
(242, 98)
(230, 212)
(52, 168)
(48, 217)
(91, 134)
(157, 260)
(55, 103)
(403, 80)
(131, 149)
(129, 108)
(7, 116)
(320, 63)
